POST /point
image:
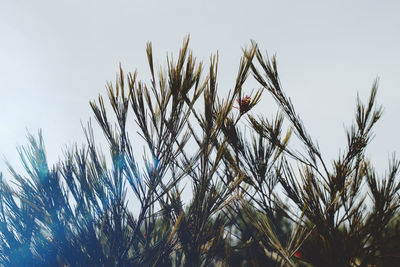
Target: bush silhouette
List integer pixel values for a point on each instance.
(255, 200)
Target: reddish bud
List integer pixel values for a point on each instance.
(244, 104)
(298, 254)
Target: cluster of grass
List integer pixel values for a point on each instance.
(254, 199)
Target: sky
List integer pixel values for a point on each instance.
(56, 56)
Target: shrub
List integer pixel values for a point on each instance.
(249, 205)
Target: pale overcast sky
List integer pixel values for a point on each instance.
(56, 56)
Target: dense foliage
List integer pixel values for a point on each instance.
(216, 186)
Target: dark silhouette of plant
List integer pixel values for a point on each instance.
(332, 203)
(208, 193)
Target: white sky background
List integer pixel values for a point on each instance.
(56, 56)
